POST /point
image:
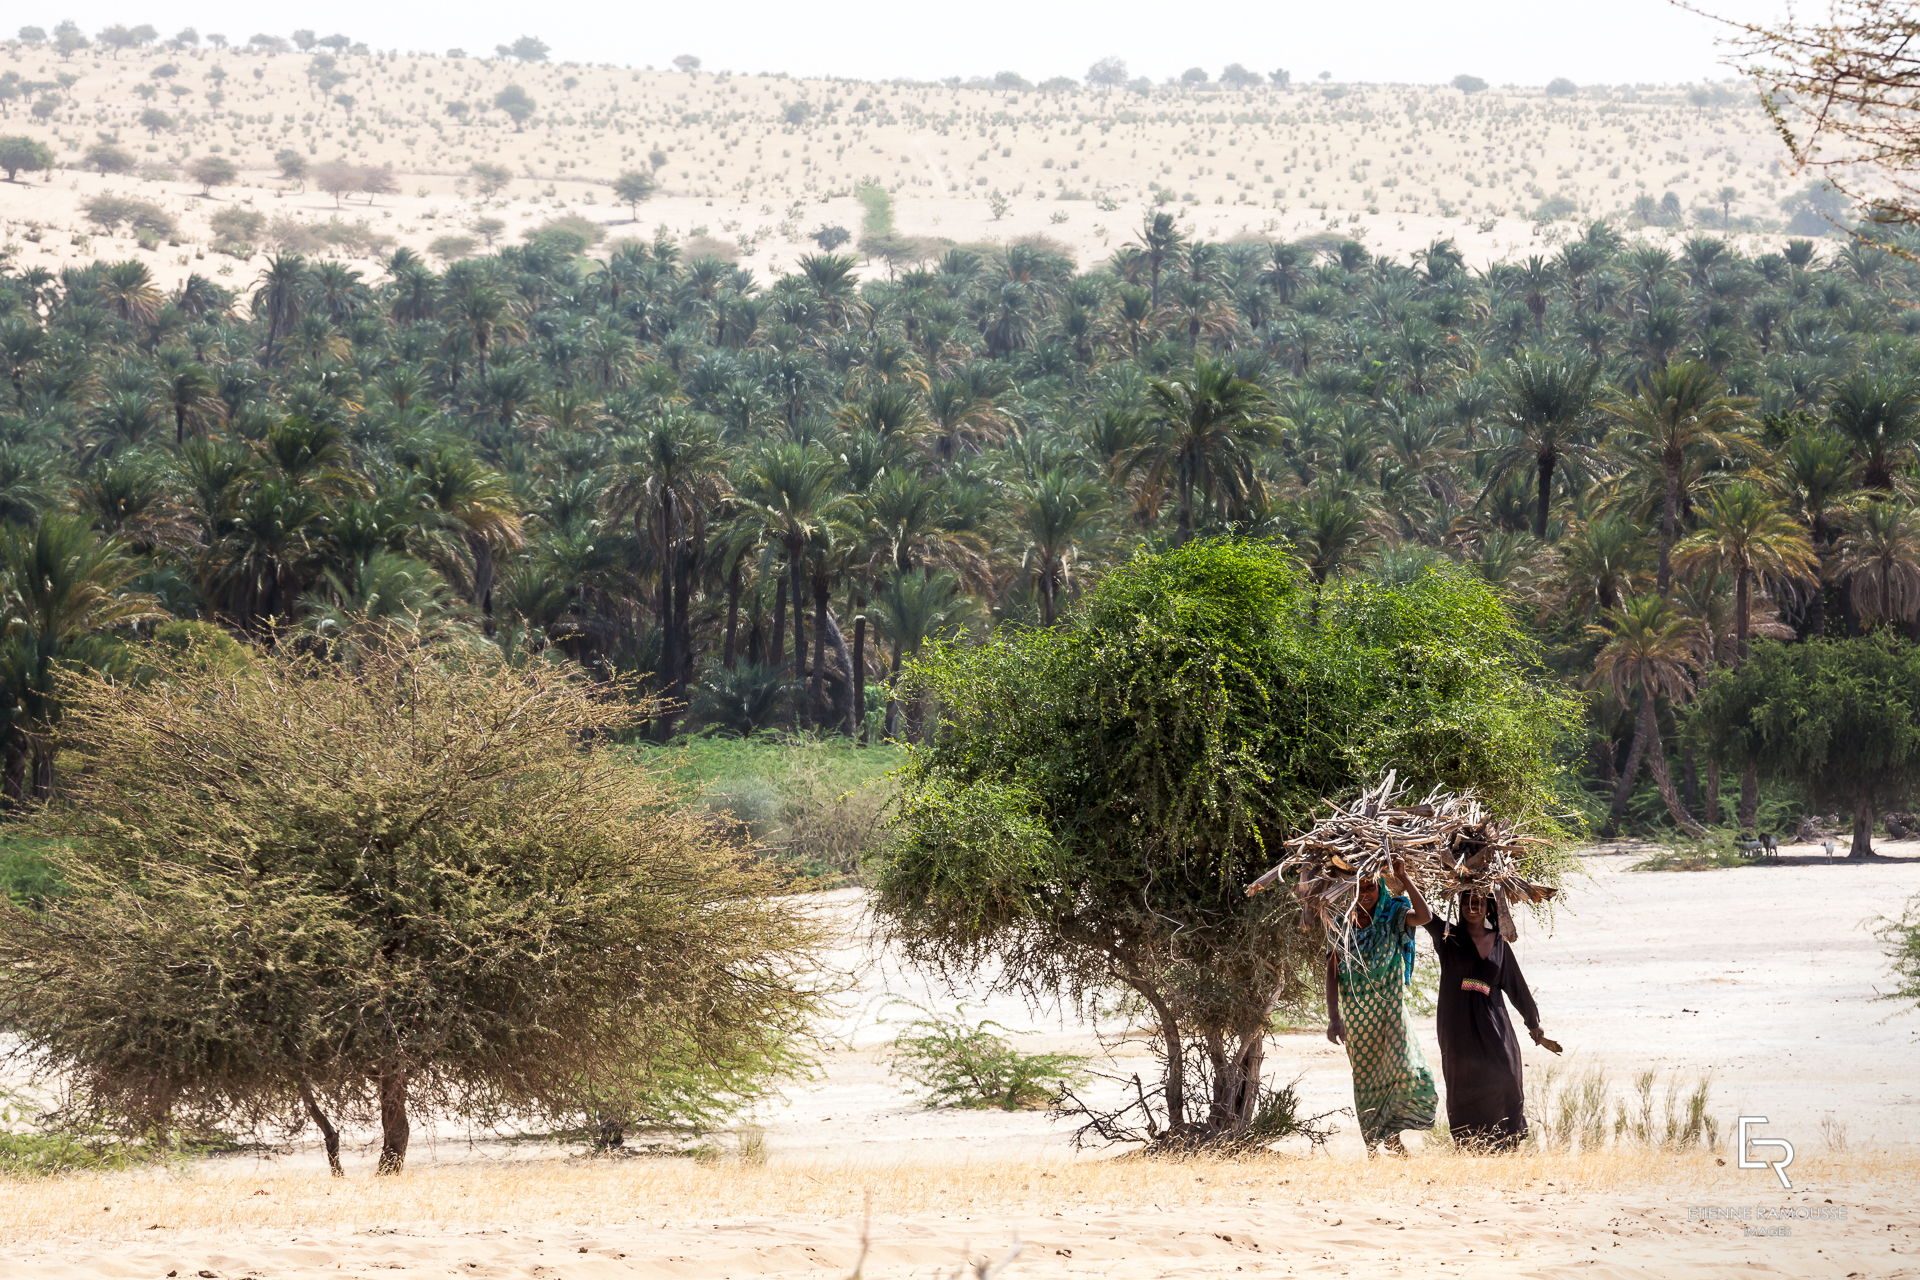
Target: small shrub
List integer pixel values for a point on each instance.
(967, 1064)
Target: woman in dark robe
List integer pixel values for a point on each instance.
(1479, 1054)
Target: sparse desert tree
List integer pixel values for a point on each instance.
(1107, 73)
(292, 165)
(632, 187)
(153, 120)
(1469, 84)
(452, 248)
(68, 39)
(490, 179)
(1561, 87)
(516, 103)
(211, 172)
(1098, 794)
(304, 39)
(315, 886)
(377, 180)
(687, 63)
(487, 229)
(525, 49)
(32, 35)
(17, 153)
(105, 158)
(338, 178)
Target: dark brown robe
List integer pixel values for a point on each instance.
(1479, 1053)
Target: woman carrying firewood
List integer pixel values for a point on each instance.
(1479, 1054)
(1367, 1012)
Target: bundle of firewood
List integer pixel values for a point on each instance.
(1444, 844)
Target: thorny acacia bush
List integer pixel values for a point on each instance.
(315, 884)
(1097, 794)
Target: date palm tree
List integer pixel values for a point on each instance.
(1675, 417)
(1649, 654)
(1053, 513)
(1878, 558)
(1547, 402)
(1879, 414)
(64, 598)
(1748, 535)
(1211, 426)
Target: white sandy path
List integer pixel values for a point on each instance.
(1764, 976)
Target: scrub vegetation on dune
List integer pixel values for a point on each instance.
(353, 152)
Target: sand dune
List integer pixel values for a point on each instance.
(755, 164)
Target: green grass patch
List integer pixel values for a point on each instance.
(819, 806)
(26, 879)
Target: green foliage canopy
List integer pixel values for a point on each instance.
(1839, 718)
(1097, 795)
(359, 881)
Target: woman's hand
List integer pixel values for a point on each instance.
(1540, 1038)
(1337, 1030)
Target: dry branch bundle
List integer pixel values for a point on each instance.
(1445, 844)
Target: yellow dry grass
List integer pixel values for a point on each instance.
(224, 1197)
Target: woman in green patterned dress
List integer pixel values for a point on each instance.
(1367, 1012)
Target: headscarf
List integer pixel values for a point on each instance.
(1388, 909)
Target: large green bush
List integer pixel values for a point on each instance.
(384, 878)
(1096, 795)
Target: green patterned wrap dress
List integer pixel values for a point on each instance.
(1392, 1085)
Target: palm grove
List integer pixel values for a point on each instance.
(764, 497)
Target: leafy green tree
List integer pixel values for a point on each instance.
(517, 105)
(1839, 719)
(1098, 794)
(17, 153)
(211, 172)
(635, 186)
(464, 908)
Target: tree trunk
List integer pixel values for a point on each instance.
(1749, 814)
(394, 1129)
(1711, 809)
(832, 686)
(817, 688)
(1669, 524)
(663, 614)
(891, 729)
(796, 582)
(483, 575)
(1623, 789)
(859, 725)
(1690, 779)
(1862, 846)
(1543, 498)
(329, 1136)
(1657, 761)
(778, 653)
(733, 614)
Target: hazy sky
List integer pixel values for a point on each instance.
(1520, 41)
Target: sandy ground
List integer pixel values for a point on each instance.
(1397, 166)
(1764, 977)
